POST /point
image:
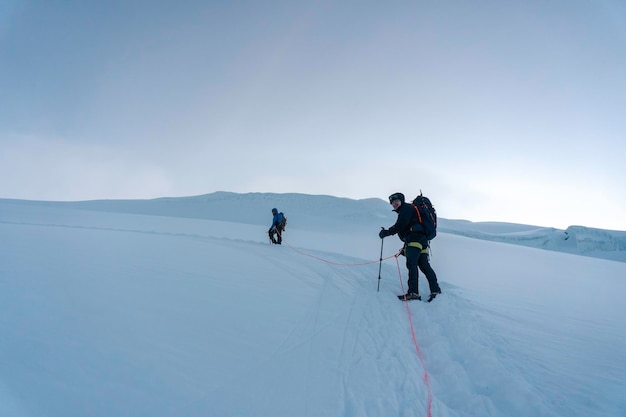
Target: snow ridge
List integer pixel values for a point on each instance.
(328, 213)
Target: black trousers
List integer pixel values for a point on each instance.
(416, 258)
(274, 230)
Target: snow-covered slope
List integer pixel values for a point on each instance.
(330, 213)
(580, 240)
(112, 314)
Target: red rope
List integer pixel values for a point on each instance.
(336, 263)
(417, 348)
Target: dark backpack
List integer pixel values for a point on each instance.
(283, 223)
(426, 215)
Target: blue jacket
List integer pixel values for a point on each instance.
(277, 219)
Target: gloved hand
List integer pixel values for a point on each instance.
(402, 253)
(383, 233)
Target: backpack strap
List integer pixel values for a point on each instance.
(419, 217)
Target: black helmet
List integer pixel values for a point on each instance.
(396, 196)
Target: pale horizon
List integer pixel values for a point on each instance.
(510, 113)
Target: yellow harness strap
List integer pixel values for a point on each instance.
(417, 245)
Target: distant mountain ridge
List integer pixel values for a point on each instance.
(324, 212)
(304, 211)
(579, 240)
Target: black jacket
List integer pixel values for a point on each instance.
(407, 226)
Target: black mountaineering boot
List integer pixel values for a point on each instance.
(409, 296)
(432, 296)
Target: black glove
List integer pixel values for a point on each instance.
(402, 253)
(383, 233)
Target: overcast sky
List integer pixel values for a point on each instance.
(498, 110)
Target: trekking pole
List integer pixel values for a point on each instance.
(380, 264)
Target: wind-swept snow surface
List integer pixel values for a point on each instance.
(111, 314)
